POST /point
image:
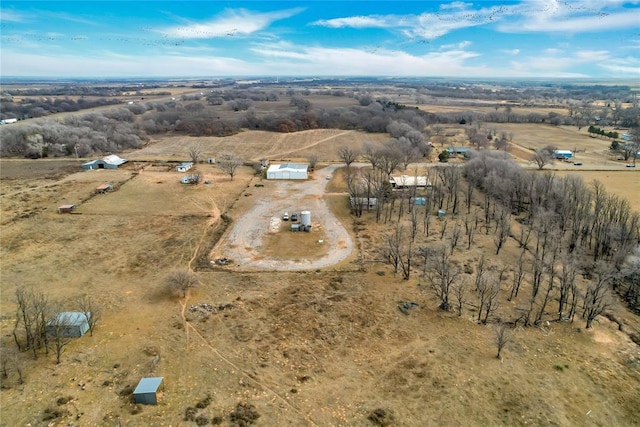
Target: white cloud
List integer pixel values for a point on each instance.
(592, 55)
(356, 22)
(622, 66)
(574, 24)
(230, 23)
(456, 5)
(427, 26)
(512, 52)
(461, 45)
(11, 16)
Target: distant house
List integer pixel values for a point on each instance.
(66, 208)
(288, 171)
(185, 166)
(71, 324)
(103, 188)
(211, 160)
(363, 202)
(563, 154)
(407, 181)
(108, 162)
(458, 150)
(146, 391)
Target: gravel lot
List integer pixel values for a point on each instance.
(243, 242)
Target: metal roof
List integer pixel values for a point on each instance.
(290, 167)
(111, 159)
(71, 318)
(148, 385)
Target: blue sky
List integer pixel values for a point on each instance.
(510, 39)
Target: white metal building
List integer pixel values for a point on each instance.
(406, 181)
(184, 166)
(288, 171)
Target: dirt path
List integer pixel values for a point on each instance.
(313, 144)
(242, 244)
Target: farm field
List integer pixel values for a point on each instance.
(320, 347)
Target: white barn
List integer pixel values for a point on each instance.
(288, 171)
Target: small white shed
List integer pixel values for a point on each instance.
(288, 171)
(185, 166)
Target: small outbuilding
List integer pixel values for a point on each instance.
(66, 209)
(108, 162)
(458, 151)
(147, 390)
(288, 171)
(185, 166)
(563, 154)
(363, 202)
(104, 188)
(70, 324)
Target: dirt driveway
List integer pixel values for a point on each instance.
(244, 242)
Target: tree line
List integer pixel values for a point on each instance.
(563, 228)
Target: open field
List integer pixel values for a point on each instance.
(256, 145)
(322, 347)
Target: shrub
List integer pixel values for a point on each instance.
(245, 414)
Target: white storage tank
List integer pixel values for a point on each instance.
(305, 218)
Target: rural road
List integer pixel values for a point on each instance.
(242, 244)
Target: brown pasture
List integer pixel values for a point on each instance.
(325, 347)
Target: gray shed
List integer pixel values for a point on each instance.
(73, 324)
(147, 390)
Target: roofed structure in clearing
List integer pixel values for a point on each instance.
(292, 167)
(409, 181)
(107, 162)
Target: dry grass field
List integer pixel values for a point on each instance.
(327, 347)
(256, 145)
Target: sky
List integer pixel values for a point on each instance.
(481, 39)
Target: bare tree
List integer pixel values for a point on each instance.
(460, 293)
(518, 277)
(229, 163)
(91, 311)
(29, 330)
(58, 330)
(348, 154)
(490, 290)
(502, 336)
(10, 362)
(371, 154)
(182, 281)
(543, 157)
(313, 161)
(503, 229)
(399, 251)
(455, 236)
(195, 152)
(598, 297)
(441, 276)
